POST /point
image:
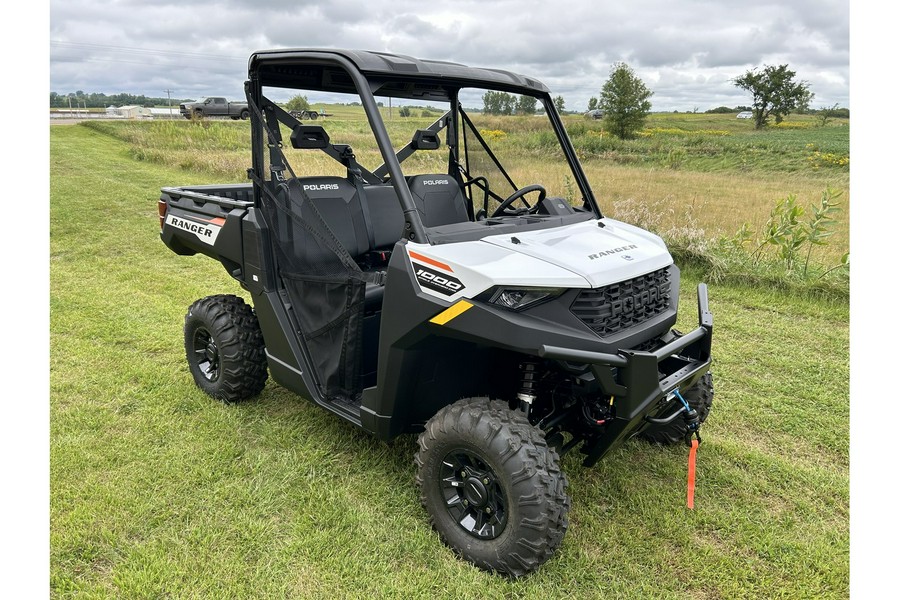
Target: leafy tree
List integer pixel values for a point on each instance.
(298, 103)
(803, 103)
(721, 110)
(490, 103)
(625, 102)
(526, 105)
(824, 114)
(592, 103)
(404, 111)
(498, 103)
(775, 93)
(560, 104)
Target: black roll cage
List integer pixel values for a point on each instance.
(315, 70)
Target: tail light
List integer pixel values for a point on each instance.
(162, 207)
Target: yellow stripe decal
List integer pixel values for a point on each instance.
(451, 313)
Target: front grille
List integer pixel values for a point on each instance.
(614, 308)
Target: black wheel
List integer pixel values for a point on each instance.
(492, 486)
(225, 349)
(313, 115)
(245, 114)
(197, 114)
(699, 398)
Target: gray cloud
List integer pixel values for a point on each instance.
(687, 52)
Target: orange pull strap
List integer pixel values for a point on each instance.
(692, 473)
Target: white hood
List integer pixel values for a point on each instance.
(601, 255)
(583, 255)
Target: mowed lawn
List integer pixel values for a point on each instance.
(159, 491)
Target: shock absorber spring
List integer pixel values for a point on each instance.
(527, 394)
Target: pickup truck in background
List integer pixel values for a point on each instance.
(215, 107)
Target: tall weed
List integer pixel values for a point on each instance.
(781, 256)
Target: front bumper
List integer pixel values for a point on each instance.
(642, 382)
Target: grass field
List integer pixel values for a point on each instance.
(159, 491)
(715, 168)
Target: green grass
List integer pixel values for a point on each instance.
(713, 143)
(692, 142)
(719, 181)
(159, 491)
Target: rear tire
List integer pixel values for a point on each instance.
(700, 398)
(225, 349)
(492, 486)
(245, 114)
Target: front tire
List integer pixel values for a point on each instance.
(492, 486)
(224, 348)
(700, 398)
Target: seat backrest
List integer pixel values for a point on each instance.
(439, 199)
(337, 200)
(385, 215)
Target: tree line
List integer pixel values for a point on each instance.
(832, 111)
(502, 103)
(81, 99)
(624, 99)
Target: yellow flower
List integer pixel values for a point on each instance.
(493, 134)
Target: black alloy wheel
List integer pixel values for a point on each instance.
(473, 494)
(207, 354)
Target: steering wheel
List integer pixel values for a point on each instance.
(542, 193)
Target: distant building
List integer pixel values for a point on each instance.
(133, 112)
(746, 114)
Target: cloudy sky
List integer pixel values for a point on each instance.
(686, 51)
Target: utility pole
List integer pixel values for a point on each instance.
(390, 110)
(169, 96)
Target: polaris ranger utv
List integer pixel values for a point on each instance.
(451, 283)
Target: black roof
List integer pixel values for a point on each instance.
(287, 66)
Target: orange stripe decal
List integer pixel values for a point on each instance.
(213, 221)
(430, 261)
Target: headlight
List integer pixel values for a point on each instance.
(519, 298)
